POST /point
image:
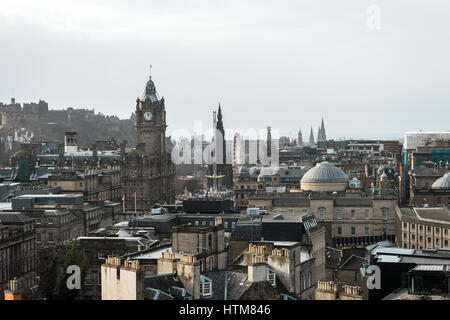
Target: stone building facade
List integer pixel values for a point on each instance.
(351, 217)
(423, 228)
(17, 252)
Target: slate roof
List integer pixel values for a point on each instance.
(427, 169)
(353, 202)
(14, 218)
(168, 284)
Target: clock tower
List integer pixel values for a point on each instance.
(150, 122)
(147, 171)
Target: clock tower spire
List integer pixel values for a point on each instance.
(150, 122)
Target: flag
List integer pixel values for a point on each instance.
(133, 195)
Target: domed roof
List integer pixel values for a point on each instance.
(243, 169)
(384, 177)
(325, 172)
(442, 183)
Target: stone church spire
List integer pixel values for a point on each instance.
(322, 135)
(311, 138)
(219, 126)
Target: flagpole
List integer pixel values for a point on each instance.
(135, 196)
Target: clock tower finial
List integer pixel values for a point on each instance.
(150, 122)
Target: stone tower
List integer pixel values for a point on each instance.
(150, 121)
(300, 138)
(148, 171)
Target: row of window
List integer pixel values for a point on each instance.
(413, 238)
(339, 214)
(429, 228)
(211, 223)
(366, 230)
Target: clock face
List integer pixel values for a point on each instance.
(148, 116)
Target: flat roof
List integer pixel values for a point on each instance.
(59, 195)
(154, 254)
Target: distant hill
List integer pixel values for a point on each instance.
(21, 123)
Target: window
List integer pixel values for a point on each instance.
(421, 227)
(339, 214)
(210, 241)
(196, 223)
(421, 238)
(385, 213)
(38, 237)
(50, 237)
(413, 226)
(226, 224)
(321, 213)
(437, 230)
(203, 223)
(339, 230)
(437, 241)
(50, 221)
(99, 278)
(211, 263)
(88, 278)
(366, 230)
(206, 288)
(38, 221)
(353, 230)
(233, 225)
(353, 214)
(366, 214)
(413, 237)
(384, 230)
(446, 243)
(271, 277)
(405, 235)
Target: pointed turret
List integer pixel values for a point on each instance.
(311, 138)
(322, 135)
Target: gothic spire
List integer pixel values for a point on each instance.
(311, 138)
(219, 123)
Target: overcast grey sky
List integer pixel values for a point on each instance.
(279, 63)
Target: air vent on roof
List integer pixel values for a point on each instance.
(278, 216)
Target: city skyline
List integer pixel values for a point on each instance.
(268, 65)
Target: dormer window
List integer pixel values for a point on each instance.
(271, 276)
(205, 286)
